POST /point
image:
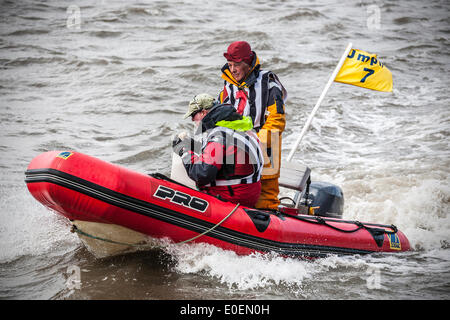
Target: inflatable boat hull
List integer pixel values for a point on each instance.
(84, 188)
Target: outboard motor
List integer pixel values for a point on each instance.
(328, 197)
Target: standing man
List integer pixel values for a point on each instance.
(260, 95)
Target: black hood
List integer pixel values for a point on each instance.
(218, 113)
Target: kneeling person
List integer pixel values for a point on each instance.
(230, 161)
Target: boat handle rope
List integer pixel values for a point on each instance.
(79, 231)
(211, 229)
(360, 225)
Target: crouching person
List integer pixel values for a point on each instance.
(230, 161)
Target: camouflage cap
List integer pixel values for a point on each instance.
(200, 102)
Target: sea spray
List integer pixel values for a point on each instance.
(241, 272)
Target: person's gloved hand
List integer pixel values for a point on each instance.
(180, 144)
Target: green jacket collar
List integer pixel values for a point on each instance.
(245, 124)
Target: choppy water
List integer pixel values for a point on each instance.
(114, 82)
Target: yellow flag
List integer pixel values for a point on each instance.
(363, 69)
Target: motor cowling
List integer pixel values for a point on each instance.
(328, 197)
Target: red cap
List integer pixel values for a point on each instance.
(239, 51)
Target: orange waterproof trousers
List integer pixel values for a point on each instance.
(268, 198)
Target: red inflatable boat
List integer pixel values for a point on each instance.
(88, 190)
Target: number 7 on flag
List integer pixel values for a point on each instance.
(369, 73)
